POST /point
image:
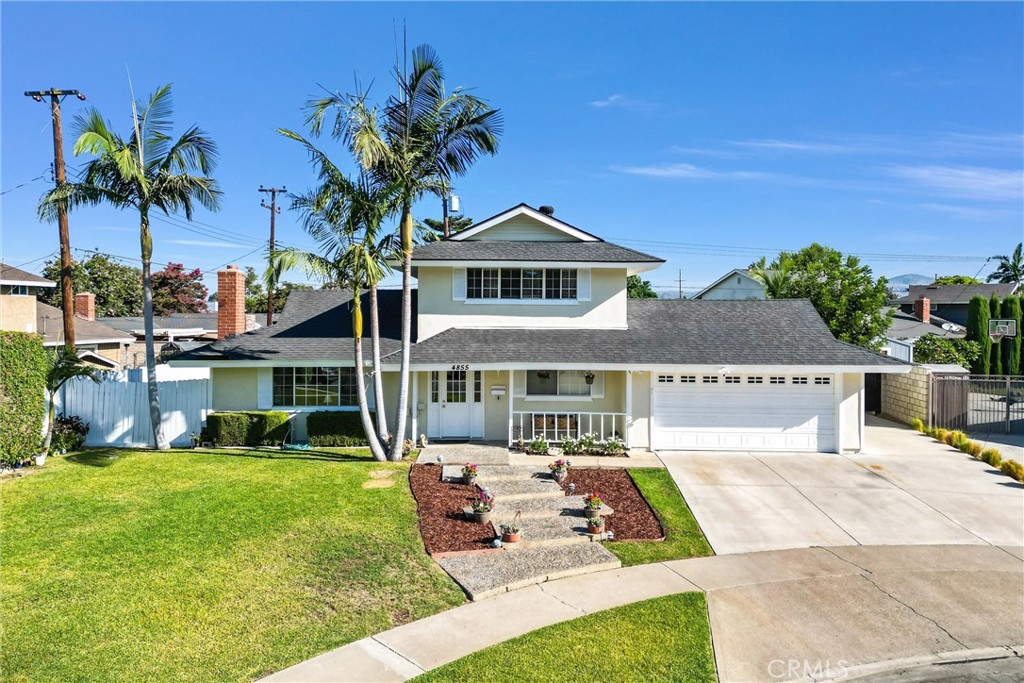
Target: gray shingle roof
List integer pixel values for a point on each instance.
(12, 274)
(315, 325)
(906, 326)
(666, 332)
(955, 294)
(484, 250)
(50, 323)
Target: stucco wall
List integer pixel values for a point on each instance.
(18, 313)
(730, 289)
(906, 396)
(522, 229)
(640, 431)
(234, 388)
(437, 310)
(851, 414)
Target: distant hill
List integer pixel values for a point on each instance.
(900, 284)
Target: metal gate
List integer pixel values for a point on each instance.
(989, 404)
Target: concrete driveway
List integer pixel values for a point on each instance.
(905, 489)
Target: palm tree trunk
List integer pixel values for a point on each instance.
(364, 409)
(49, 426)
(403, 377)
(147, 314)
(378, 381)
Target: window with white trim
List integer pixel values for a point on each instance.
(15, 290)
(666, 379)
(433, 386)
(522, 283)
(710, 379)
(732, 379)
(799, 380)
(317, 386)
(823, 380)
(776, 380)
(755, 380)
(557, 383)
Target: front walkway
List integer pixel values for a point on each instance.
(773, 614)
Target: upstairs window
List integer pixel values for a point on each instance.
(482, 283)
(522, 283)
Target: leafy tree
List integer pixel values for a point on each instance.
(176, 290)
(147, 171)
(456, 224)
(1010, 269)
(1012, 347)
(956, 280)
(62, 366)
(842, 289)
(118, 287)
(421, 139)
(995, 363)
(638, 288)
(977, 330)
(935, 349)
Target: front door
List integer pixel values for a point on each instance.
(455, 405)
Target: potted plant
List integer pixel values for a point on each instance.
(595, 525)
(592, 505)
(543, 375)
(588, 376)
(559, 470)
(40, 459)
(469, 474)
(510, 532)
(483, 506)
(194, 438)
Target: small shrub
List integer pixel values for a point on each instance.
(68, 433)
(22, 397)
(940, 434)
(953, 438)
(974, 449)
(538, 447)
(589, 443)
(339, 429)
(569, 446)
(248, 428)
(613, 446)
(1012, 468)
(918, 424)
(992, 457)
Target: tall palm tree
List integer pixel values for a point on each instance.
(147, 171)
(776, 277)
(422, 138)
(62, 366)
(1011, 268)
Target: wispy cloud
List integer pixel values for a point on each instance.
(965, 182)
(690, 172)
(620, 101)
(797, 146)
(970, 213)
(203, 243)
(705, 152)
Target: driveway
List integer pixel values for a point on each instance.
(905, 489)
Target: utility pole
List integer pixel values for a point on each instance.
(271, 280)
(680, 281)
(66, 291)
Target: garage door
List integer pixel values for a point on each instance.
(743, 412)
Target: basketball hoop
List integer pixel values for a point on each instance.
(998, 328)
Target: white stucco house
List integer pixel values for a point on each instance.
(522, 329)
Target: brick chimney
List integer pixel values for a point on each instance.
(923, 309)
(85, 305)
(230, 302)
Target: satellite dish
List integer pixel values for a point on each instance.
(948, 327)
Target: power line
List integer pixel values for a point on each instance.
(41, 176)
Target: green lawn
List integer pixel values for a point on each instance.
(665, 639)
(205, 566)
(683, 537)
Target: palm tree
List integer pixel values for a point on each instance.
(422, 138)
(1011, 268)
(62, 365)
(776, 277)
(147, 171)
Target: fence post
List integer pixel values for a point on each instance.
(1008, 403)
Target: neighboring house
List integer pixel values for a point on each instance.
(523, 330)
(20, 310)
(906, 328)
(950, 302)
(736, 285)
(176, 327)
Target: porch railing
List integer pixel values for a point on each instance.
(553, 426)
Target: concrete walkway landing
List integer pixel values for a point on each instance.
(459, 453)
(805, 614)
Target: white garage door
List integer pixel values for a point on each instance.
(743, 412)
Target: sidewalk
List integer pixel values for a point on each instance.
(820, 607)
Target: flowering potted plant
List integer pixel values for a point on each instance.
(588, 377)
(543, 374)
(510, 532)
(483, 506)
(595, 525)
(469, 474)
(592, 505)
(559, 470)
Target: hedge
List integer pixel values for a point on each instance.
(336, 428)
(22, 395)
(248, 428)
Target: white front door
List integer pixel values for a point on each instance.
(455, 405)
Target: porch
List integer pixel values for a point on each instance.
(553, 426)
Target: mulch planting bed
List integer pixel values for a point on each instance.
(442, 525)
(632, 519)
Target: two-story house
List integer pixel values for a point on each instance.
(523, 329)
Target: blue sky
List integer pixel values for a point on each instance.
(708, 134)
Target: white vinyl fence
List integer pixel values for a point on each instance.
(118, 412)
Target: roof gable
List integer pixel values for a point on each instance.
(524, 223)
(741, 272)
(9, 275)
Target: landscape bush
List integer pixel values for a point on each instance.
(974, 449)
(248, 428)
(69, 433)
(337, 429)
(22, 397)
(918, 424)
(1013, 469)
(991, 456)
(940, 434)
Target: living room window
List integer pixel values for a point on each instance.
(317, 386)
(522, 283)
(557, 383)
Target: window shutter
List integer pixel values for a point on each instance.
(583, 284)
(458, 284)
(265, 388)
(597, 388)
(520, 383)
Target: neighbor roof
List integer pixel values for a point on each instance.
(49, 323)
(906, 326)
(483, 250)
(316, 325)
(9, 275)
(955, 294)
(175, 321)
(665, 332)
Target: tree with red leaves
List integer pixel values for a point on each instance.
(176, 290)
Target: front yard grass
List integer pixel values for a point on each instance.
(205, 566)
(683, 537)
(664, 639)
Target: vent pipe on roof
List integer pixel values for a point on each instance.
(547, 210)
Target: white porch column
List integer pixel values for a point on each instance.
(629, 405)
(415, 404)
(511, 401)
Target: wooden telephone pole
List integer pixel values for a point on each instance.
(271, 281)
(66, 290)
